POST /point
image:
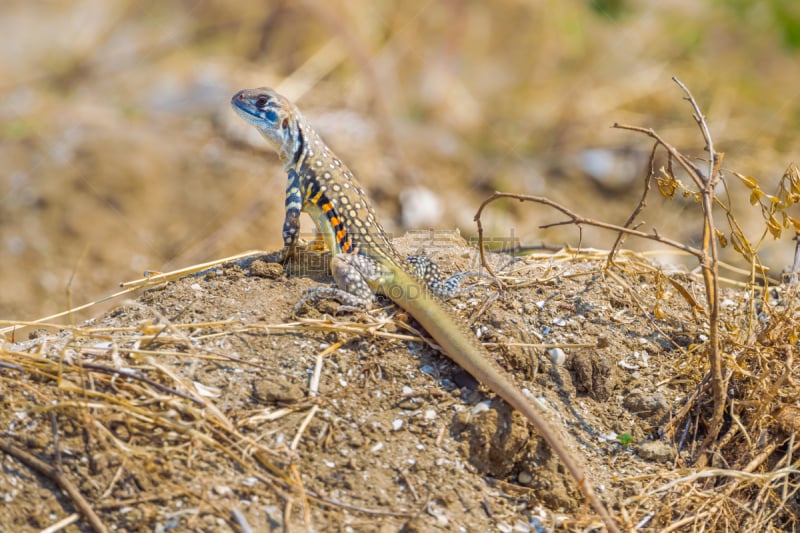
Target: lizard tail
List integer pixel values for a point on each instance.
(461, 345)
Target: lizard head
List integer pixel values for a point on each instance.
(275, 117)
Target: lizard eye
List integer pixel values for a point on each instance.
(285, 123)
(262, 101)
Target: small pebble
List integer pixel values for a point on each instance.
(262, 269)
(557, 355)
(480, 408)
(656, 450)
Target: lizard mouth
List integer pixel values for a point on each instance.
(242, 105)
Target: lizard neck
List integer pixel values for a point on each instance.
(298, 143)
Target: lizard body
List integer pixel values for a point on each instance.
(364, 262)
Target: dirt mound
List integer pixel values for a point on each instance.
(203, 405)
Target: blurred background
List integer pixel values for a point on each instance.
(119, 152)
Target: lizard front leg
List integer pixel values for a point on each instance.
(291, 221)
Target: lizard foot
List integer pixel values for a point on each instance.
(428, 272)
(350, 303)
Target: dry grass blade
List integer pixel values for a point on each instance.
(128, 288)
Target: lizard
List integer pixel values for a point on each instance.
(365, 263)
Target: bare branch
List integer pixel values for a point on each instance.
(639, 207)
(711, 180)
(575, 219)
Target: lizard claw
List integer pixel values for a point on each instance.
(288, 253)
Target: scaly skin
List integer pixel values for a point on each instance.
(365, 263)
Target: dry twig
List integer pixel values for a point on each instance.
(57, 477)
(708, 257)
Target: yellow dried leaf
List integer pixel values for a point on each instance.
(659, 284)
(741, 245)
(793, 221)
(723, 240)
(685, 293)
(657, 312)
(792, 175)
(667, 185)
(747, 180)
(755, 196)
(794, 185)
(774, 227)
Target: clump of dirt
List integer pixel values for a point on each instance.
(205, 404)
